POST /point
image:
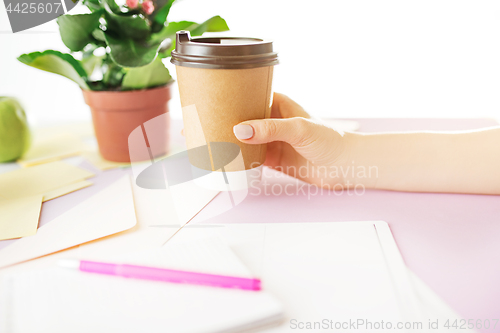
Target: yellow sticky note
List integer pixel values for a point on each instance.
(58, 192)
(40, 179)
(51, 149)
(99, 162)
(19, 217)
(83, 130)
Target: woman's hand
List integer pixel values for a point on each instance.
(457, 162)
(297, 144)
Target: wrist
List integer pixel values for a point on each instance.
(358, 169)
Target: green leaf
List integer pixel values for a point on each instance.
(93, 5)
(99, 35)
(214, 24)
(161, 11)
(110, 4)
(152, 75)
(76, 30)
(59, 63)
(90, 63)
(166, 51)
(129, 26)
(171, 28)
(113, 76)
(127, 52)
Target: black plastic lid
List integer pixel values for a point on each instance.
(222, 52)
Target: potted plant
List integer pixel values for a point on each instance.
(116, 57)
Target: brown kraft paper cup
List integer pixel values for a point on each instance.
(223, 97)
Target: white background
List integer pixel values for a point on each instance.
(345, 59)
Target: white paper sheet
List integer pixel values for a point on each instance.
(251, 243)
(56, 300)
(336, 271)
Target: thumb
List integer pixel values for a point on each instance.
(293, 131)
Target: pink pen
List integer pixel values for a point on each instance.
(162, 274)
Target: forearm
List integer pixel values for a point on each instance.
(456, 162)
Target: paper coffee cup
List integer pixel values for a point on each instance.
(223, 82)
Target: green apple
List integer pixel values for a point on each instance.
(15, 136)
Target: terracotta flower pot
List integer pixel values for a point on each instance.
(116, 114)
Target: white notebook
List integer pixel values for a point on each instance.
(335, 271)
(326, 272)
(58, 300)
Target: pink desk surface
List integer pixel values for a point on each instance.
(451, 241)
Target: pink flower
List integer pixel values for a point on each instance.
(132, 4)
(148, 7)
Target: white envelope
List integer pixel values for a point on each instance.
(108, 212)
